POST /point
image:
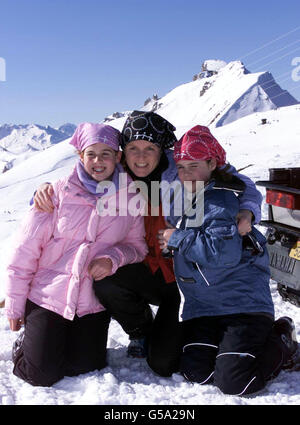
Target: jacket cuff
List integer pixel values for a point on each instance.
(254, 208)
(11, 310)
(176, 239)
(115, 264)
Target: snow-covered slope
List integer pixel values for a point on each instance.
(19, 142)
(230, 93)
(273, 144)
(128, 381)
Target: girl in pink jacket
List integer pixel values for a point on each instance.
(57, 256)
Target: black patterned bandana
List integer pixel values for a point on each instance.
(150, 127)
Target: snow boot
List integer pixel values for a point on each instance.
(137, 348)
(285, 328)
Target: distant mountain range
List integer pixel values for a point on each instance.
(18, 142)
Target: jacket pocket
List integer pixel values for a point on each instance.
(224, 246)
(222, 232)
(187, 279)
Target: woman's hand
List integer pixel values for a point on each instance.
(164, 236)
(42, 198)
(15, 324)
(244, 222)
(100, 268)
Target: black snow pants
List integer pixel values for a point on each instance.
(237, 353)
(127, 295)
(54, 347)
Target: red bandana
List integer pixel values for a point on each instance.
(199, 144)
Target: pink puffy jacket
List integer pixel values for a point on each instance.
(53, 251)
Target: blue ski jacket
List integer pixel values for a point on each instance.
(218, 271)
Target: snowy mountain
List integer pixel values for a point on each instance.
(220, 94)
(19, 142)
(67, 129)
(264, 138)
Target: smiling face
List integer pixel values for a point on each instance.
(193, 171)
(99, 161)
(142, 157)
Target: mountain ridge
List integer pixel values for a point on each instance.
(221, 93)
(19, 141)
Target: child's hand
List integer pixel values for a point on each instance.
(244, 222)
(42, 198)
(100, 268)
(15, 324)
(164, 236)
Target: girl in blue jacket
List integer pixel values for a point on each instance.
(231, 339)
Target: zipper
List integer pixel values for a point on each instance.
(200, 271)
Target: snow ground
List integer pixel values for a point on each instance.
(131, 382)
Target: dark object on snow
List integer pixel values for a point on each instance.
(285, 328)
(137, 348)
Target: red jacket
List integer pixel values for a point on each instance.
(154, 259)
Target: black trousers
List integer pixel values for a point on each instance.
(54, 347)
(127, 295)
(237, 353)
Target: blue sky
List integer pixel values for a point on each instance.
(81, 60)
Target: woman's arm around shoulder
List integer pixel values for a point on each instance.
(251, 198)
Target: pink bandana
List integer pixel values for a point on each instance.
(87, 134)
(199, 144)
